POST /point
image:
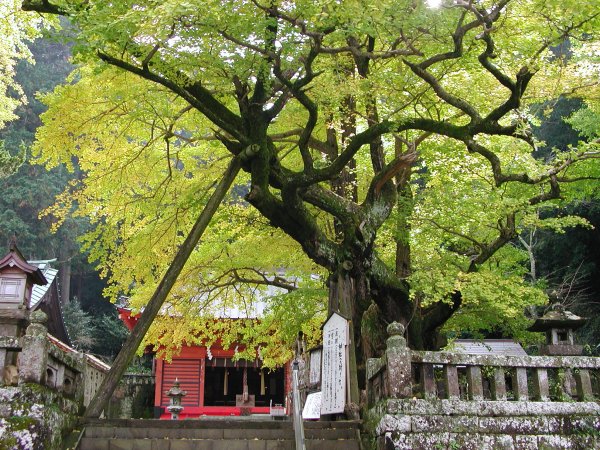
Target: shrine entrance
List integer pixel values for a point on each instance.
(224, 384)
(215, 385)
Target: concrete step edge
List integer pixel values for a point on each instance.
(217, 423)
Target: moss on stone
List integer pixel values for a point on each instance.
(35, 417)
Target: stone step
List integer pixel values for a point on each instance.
(220, 423)
(88, 443)
(215, 433)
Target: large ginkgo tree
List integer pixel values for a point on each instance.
(384, 144)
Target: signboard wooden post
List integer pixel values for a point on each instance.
(334, 375)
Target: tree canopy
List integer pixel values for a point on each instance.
(16, 29)
(387, 149)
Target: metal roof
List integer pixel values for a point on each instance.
(506, 347)
(38, 291)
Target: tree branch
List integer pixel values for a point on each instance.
(43, 7)
(193, 93)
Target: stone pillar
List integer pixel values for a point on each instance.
(428, 381)
(475, 383)
(569, 385)
(398, 358)
(60, 377)
(519, 381)
(541, 387)
(3, 354)
(584, 385)
(498, 384)
(13, 322)
(451, 381)
(33, 359)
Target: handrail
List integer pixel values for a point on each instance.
(402, 373)
(298, 425)
(573, 362)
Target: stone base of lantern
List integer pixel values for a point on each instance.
(175, 411)
(561, 350)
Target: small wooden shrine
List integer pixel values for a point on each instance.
(215, 381)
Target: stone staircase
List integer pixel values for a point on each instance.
(216, 434)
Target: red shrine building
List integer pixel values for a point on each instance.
(216, 384)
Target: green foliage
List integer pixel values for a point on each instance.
(488, 298)
(31, 188)
(80, 325)
(269, 338)
(101, 334)
(587, 122)
(109, 334)
(372, 130)
(17, 30)
(9, 164)
(553, 132)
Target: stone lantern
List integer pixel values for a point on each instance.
(559, 324)
(175, 394)
(17, 278)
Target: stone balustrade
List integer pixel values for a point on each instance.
(403, 373)
(38, 357)
(424, 400)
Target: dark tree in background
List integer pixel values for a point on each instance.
(570, 262)
(33, 188)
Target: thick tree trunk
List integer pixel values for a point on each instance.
(64, 261)
(342, 295)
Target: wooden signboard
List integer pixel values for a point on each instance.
(312, 407)
(334, 365)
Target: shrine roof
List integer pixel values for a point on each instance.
(15, 258)
(557, 317)
(38, 291)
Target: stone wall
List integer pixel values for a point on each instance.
(415, 424)
(34, 417)
(133, 398)
(46, 384)
(440, 400)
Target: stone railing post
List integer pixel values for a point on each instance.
(568, 383)
(428, 381)
(33, 359)
(584, 385)
(519, 382)
(3, 353)
(541, 386)
(398, 356)
(451, 382)
(475, 383)
(498, 384)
